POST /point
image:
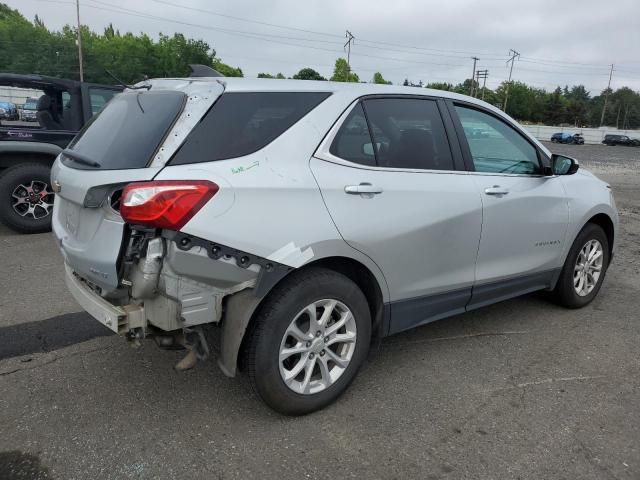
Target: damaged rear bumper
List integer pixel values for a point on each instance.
(119, 319)
(176, 283)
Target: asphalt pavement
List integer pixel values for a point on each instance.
(519, 390)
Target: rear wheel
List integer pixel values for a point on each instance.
(584, 269)
(309, 340)
(26, 198)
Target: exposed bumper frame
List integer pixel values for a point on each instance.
(117, 319)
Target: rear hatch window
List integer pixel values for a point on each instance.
(127, 132)
(241, 123)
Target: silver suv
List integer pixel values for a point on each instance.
(285, 224)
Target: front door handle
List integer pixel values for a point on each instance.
(363, 188)
(496, 190)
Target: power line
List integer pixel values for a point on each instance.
(79, 40)
(606, 96)
(482, 74)
(486, 55)
(350, 38)
(514, 55)
(473, 75)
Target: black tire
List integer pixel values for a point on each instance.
(300, 289)
(10, 180)
(564, 292)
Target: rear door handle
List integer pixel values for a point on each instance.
(363, 188)
(496, 190)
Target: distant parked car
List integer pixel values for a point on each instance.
(8, 111)
(477, 132)
(612, 140)
(30, 110)
(576, 139)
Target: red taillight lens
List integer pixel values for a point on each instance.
(166, 204)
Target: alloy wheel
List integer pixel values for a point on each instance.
(317, 347)
(33, 200)
(588, 268)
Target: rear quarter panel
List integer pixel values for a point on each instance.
(269, 203)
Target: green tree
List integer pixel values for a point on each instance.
(440, 86)
(32, 48)
(268, 75)
(227, 70)
(379, 79)
(308, 74)
(342, 72)
(555, 108)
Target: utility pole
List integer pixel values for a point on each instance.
(350, 38)
(482, 74)
(79, 41)
(606, 97)
(473, 74)
(514, 56)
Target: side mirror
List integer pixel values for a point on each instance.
(562, 165)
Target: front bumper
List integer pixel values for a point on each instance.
(119, 319)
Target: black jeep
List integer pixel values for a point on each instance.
(29, 146)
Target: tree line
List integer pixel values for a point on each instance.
(30, 47)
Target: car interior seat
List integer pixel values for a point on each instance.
(44, 115)
(414, 149)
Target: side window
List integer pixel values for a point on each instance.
(495, 146)
(408, 133)
(241, 123)
(353, 141)
(99, 98)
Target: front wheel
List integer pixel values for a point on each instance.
(26, 198)
(584, 269)
(309, 341)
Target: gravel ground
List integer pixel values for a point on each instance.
(522, 389)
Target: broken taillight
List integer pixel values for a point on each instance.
(168, 204)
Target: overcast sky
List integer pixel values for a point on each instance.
(560, 41)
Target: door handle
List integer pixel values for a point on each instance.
(363, 188)
(496, 190)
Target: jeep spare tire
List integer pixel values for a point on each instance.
(26, 198)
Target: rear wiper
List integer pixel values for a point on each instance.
(79, 158)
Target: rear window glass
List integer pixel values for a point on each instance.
(128, 131)
(240, 123)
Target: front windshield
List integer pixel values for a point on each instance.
(29, 106)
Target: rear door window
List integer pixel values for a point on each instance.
(127, 132)
(353, 141)
(241, 123)
(408, 133)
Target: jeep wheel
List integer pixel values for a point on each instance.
(26, 203)
(309, 340)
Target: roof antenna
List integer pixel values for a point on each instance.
(132, 87)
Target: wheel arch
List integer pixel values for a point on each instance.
(15, 153)
(605, 222)
(243, 308)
